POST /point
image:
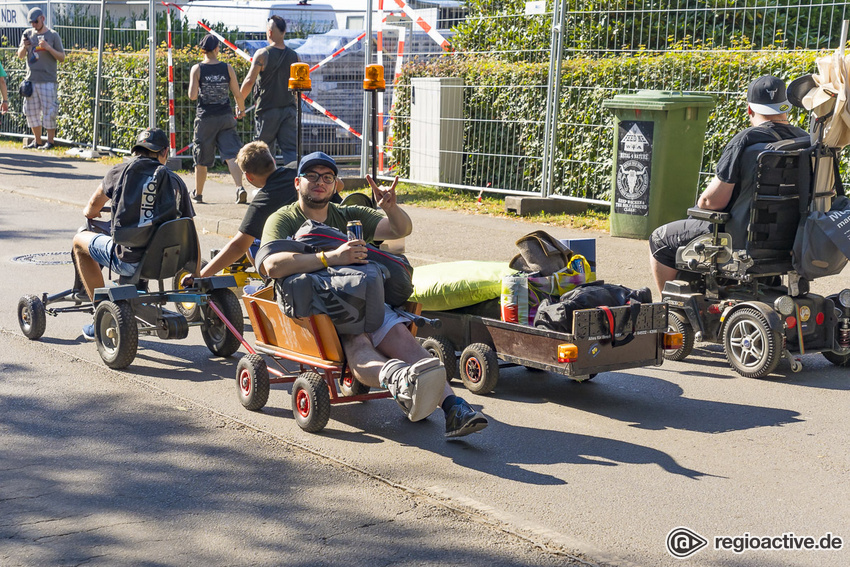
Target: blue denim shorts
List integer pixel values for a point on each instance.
(101, 248)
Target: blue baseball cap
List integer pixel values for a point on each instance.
(317, 158)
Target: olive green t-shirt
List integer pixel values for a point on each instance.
(286, 221)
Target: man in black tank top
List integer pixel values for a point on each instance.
(767, 107)
(276, 105)
(215, 123)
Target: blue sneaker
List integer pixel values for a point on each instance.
(88, 332)
(462, 419)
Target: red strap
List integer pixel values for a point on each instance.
(610, 317)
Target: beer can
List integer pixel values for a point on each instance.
(355, 230)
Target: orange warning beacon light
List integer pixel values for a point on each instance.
(374, 80)
(299, 77)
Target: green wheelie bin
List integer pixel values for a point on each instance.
(658, 142)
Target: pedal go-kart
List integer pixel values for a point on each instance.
(127, 310)
(323, 377)
(741, 289)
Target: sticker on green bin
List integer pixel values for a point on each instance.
(634, 160)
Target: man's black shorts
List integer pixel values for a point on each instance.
(666, 239)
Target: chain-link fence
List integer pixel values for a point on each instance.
(522, 112)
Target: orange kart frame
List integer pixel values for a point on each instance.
(323, 378)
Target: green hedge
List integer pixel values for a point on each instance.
(584, 150)
(124, 95)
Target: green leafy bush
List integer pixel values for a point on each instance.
(585, 130)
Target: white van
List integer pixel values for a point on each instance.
(251, 16)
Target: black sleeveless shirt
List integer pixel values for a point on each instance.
(273, 80)
(213, 90)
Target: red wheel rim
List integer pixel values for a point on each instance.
(348, 381)
(473, 370)
(302, 401)
(245, 381)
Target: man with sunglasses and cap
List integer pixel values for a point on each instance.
(732, 186)
(390, 357)
(42, 49)
(94, 250)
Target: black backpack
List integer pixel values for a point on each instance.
(559, 316)
(145, 198)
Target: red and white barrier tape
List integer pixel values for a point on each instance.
(432, 33)
(172, 125)
(323, 110)
(220, 37)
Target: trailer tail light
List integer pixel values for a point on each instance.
(567, 352)
(673, 341)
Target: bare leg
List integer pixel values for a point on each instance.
(661, 273)
(200, 179)
(36, 132)
(50, 133)
(88, 268)
(235, 172)
(365, 362)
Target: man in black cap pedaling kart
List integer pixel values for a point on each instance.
(767, 106)
(389, 357)
(93, 250)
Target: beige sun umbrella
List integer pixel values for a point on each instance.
(827, 95)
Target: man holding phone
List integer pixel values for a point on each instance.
(42, 49)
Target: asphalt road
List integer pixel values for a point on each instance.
(159, 464)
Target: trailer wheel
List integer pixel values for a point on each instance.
(678, 323)
(32, 317)
(252, 382)
(479, 368)
(217, 336)
(350, 386)
(191, 311)
(441, 347)
(842, 360)
(752, 348)
(116, 333)
(311, 402)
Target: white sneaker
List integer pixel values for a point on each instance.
(418, 388)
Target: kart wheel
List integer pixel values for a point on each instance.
(479, 368)
(116, 333)
(32, 317)
(441, 347)
(252, 382)
(842, 360)
(751, 347)
(191, 311)
(311, 402)
(217, 336)
(678, 323)
(350, 386)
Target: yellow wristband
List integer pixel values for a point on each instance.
(323, 259)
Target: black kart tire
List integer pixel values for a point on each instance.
(842, 360)
(252, 382)
(479, 368)
(191, 311)
(311, 402)
(350, 386)
(752, 349)
(441, 347)
(116, 333)
(217, 336)
(678, 323)
(32, 317)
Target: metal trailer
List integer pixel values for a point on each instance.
(640, 338)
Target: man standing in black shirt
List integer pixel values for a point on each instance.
(215, 124)
(276, 110)
(767, 106)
